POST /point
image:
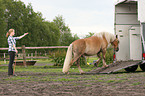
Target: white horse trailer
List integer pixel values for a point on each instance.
(130, 27)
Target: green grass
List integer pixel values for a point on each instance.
(38, 61)
(120, 77)
(17, 78)
(136, 83)
(55, 75)
(115, 81)
(91, 59)
(45, 61)
(4, 62)
(64, 79)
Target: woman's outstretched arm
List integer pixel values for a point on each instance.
(23, 35)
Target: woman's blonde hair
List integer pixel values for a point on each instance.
(9, 32)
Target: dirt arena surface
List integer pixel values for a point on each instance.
(42, 81)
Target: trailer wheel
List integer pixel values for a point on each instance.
(131, 69)
(142, 66)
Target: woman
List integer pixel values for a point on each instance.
(12, 49)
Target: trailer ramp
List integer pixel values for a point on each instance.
(115, 67)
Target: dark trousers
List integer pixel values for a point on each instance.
(11, 61)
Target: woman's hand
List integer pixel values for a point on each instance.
(26, 33)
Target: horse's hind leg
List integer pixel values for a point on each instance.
(76, 59)
(78, 65)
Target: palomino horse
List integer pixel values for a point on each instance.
(89, 46)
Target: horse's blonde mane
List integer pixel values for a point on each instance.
(109, 36)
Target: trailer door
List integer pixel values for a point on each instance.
(135, 44)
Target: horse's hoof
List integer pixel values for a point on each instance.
(105, 66)
(66, 73)
(82, 72)
(95, 64)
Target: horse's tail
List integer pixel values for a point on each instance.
(68, 58)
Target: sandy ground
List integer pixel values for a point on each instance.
(74, 84)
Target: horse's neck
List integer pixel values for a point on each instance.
(110, 38)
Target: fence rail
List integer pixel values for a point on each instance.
(4, 56)
(47, 47)
(24, 54)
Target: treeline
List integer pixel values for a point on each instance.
(15, 14)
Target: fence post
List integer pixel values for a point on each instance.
(35, 53)
(4, 57)
(31, 56)
(24, 55)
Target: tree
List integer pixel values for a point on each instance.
(65, 34)
(3, 24)
(53, 34)
(15, 14)
(76, 37)
(90, 34)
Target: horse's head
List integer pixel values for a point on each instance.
(115, 43)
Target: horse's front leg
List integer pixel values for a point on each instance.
(104, 58)
(98, 61)
(78, 65)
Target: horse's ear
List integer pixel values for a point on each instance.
(116, 36)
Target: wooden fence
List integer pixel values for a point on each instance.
(24, 53)
(47, 47)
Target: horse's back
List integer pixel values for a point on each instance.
(93, 45)
(88, 46)
(93, 41)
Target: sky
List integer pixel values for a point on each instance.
(82, 16)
